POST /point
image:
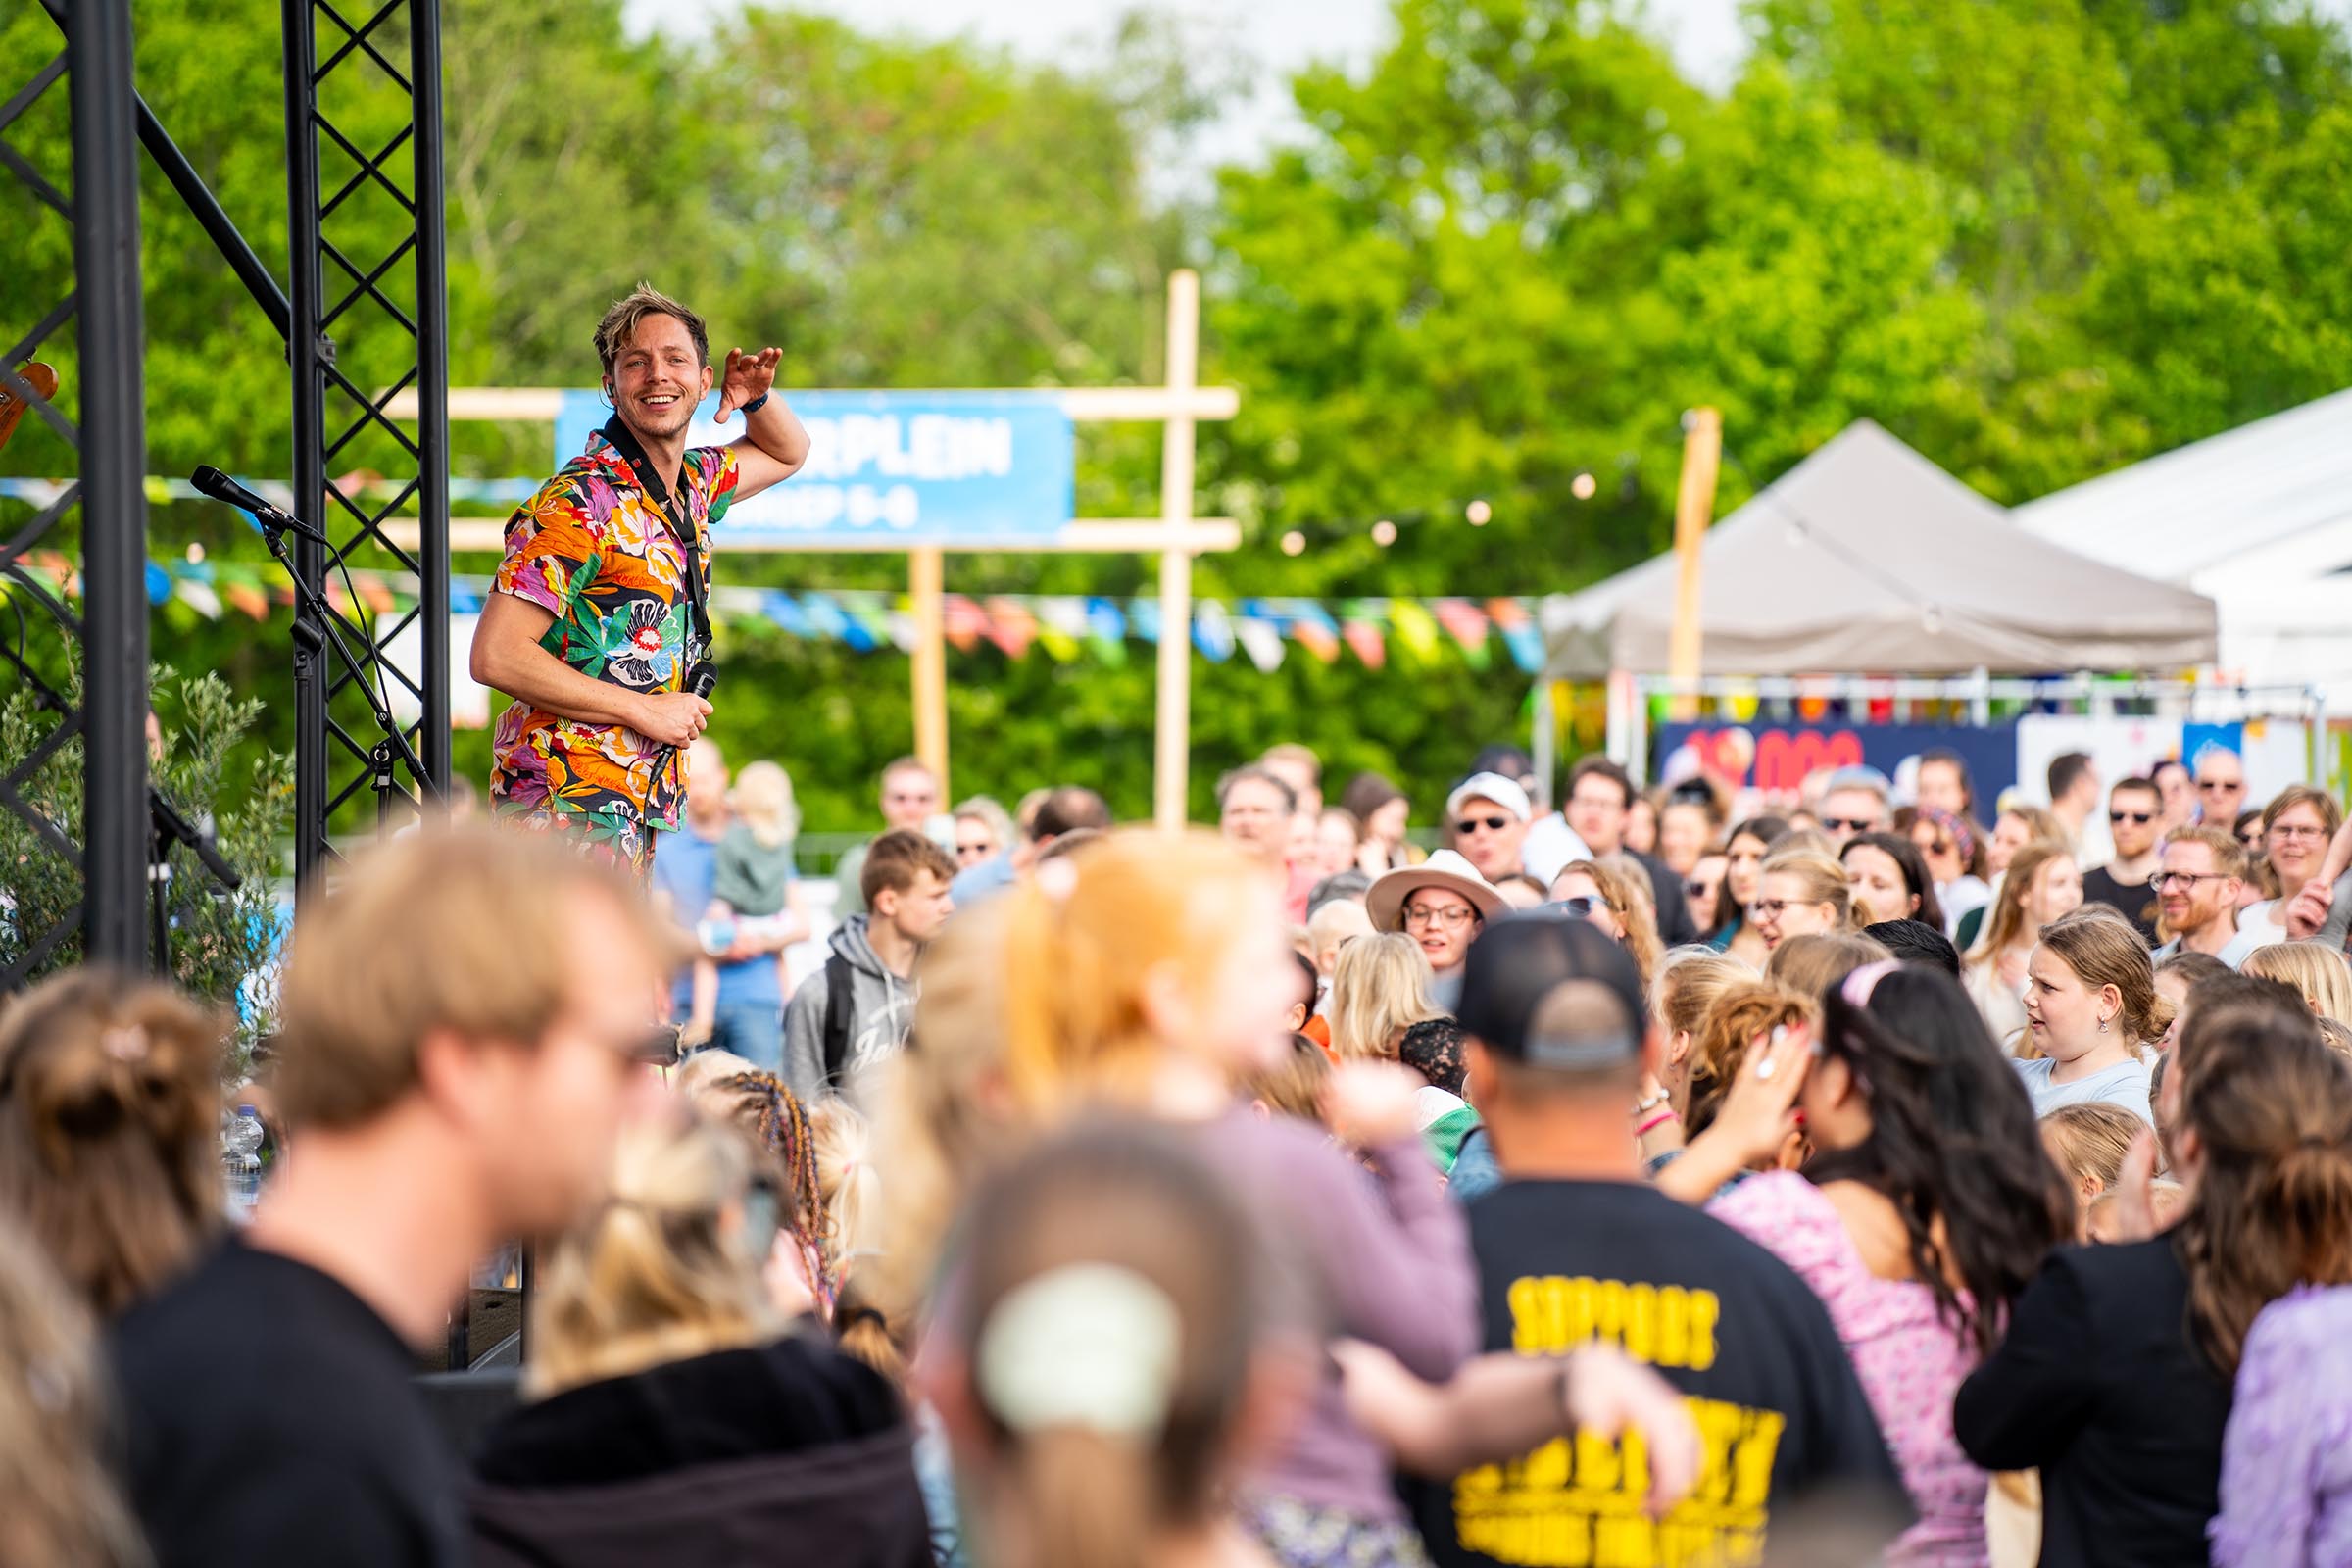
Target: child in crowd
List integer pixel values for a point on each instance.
(752, 888)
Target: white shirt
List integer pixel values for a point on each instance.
(1550, 848)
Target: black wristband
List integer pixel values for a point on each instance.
(756, 405)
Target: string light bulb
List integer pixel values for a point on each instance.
(1294, 543)
(1384, 534)
(1584, 486)
(195, 552)
(1478, 511)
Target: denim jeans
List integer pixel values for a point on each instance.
(754, 1031)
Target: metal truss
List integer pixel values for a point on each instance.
(369, 319)
(98, 421)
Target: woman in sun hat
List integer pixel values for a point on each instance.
(1442, 903)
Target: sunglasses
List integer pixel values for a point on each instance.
(1940, 847)
(1580, 908)
(1698, 888)
(1848, 824)
(2223, 786)
(2143, 818)
(1471, 824)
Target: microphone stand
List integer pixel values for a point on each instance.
(166, 827)
(315, 630)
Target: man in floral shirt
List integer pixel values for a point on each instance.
(594, 627)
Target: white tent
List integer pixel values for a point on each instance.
(2259, 518)
(1867, 558)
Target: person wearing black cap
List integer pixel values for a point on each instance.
(1574, 1248)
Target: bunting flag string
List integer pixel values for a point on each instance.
(1065, 626)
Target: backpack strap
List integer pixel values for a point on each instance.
(838, 1006)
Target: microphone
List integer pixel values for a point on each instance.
(220, 487)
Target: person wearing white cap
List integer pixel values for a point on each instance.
(1442, 903)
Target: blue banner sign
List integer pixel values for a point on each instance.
(972, 470)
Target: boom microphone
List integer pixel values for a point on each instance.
(220, 487)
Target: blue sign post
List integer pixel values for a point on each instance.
(901, 471)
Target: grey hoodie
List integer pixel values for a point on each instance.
(881, 1010)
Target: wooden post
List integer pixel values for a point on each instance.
(1694, 510)
(1172, 736)
(924, 571)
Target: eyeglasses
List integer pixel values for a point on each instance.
(2225, 786)
(1453, 919)
(1848, 824)
(2143, 818)
(1471, 824)
(2299, 830)
(2164, 879)
(1768, 909)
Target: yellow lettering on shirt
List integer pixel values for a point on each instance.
(1659, 1325)
(1578, 1502)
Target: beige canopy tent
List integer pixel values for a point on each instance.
(1866, 558)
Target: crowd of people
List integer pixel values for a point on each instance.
(1658, 1178)
(1620, 1183)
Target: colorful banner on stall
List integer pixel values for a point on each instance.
(965, 468)
(1778, 757)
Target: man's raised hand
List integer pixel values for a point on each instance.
(745, 377)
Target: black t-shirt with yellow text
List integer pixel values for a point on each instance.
(1567, 1265)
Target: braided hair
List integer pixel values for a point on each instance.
(778, 1123)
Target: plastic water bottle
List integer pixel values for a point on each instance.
(241, 1162)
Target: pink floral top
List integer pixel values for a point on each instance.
(1911, 1363)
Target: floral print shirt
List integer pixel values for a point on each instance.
(593, 548)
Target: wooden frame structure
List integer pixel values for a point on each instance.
(1178, 404)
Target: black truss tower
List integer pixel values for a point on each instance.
(366, 317)
(107, 435)
(369, 320)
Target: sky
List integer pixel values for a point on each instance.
(1280, 36)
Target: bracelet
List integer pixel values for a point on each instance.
(1655, 1122)
(756, 405)
(1651, 1104)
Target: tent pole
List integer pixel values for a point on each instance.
(1694, 510)
(1172, 724)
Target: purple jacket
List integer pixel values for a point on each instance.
(2286, 1457)
(1389, 1261)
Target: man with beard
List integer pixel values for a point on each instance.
(601, 608)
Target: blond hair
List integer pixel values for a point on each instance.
(618, 327)
(1812, 963)
(2092, 1142)
(2317, 974)
(1039, 1010)
(1688, 983)
(762, 801)
(1379, 991)
(421, 936)
(1822, 876)
(64, 1505)
(2103, 950)
(652, 1276)
(109, 1126)
(1633, 909)
(845, 1182)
